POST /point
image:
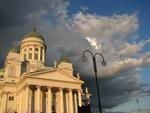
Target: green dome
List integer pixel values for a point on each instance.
(64, 59)
(14, 50)
(2, 70)
(34, 34)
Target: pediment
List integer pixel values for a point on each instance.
(56, 76)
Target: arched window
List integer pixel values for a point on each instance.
(36, 56)
(36, 49)
(30, 55)
(24, 66)
(30, 49)
(36, 53)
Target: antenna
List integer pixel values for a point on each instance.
(137, 101)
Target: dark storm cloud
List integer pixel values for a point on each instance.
(115, 90)
(18, 16)
(15, 12)
(13, 15)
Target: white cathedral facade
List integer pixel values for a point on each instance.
(27, 85)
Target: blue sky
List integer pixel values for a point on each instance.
(119, 29)
(110, 7)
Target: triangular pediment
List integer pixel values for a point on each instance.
(55, 76)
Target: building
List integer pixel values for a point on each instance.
(27, 85)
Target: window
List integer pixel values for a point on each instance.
(36, 49)
(30, 55)
(41, 52)
(30, 49)
(36, 56)
(11, 98)
(41, 58)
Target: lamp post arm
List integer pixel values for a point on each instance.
(93, 58)
(87, 51)
(100, 55)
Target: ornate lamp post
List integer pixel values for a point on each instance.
(84, 58)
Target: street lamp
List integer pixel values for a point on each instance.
(84, 58)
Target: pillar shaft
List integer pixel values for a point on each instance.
(70, 101)
(49, 107)
(61, 100)
(27, 99)
(75, 103)
(38, 100)
(67, 102)
(39, 53)
(79, 98)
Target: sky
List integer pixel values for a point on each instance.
(119, 29)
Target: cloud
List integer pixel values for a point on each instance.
(70, 35)
(114, 37)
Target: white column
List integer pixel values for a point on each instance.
(41, 101)
(70, 101)
(79, 98)
(61, 100)
(27, 53)
(38, 99)
(49, 107)
(33, 53)
(43, 54)
(67, 102)
(27, 99)
(75, 103)
(30, 101)
(39, 53)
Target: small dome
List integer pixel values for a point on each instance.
(14, 50)
(34, 34)
(64, 59)
(2, 70)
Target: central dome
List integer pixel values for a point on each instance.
(34, 34)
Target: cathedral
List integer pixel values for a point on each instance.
(27, 85)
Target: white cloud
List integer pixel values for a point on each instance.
(111, 36)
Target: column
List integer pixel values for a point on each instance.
(70, 101)
(67, 102)
(27, 53)
(38, 99)
(39, 53)
(79, 98)
(49, 106)
(61, 100)
(43, 54)
(33, 53)
(75, 103)
(27, 99)
(30, 101)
